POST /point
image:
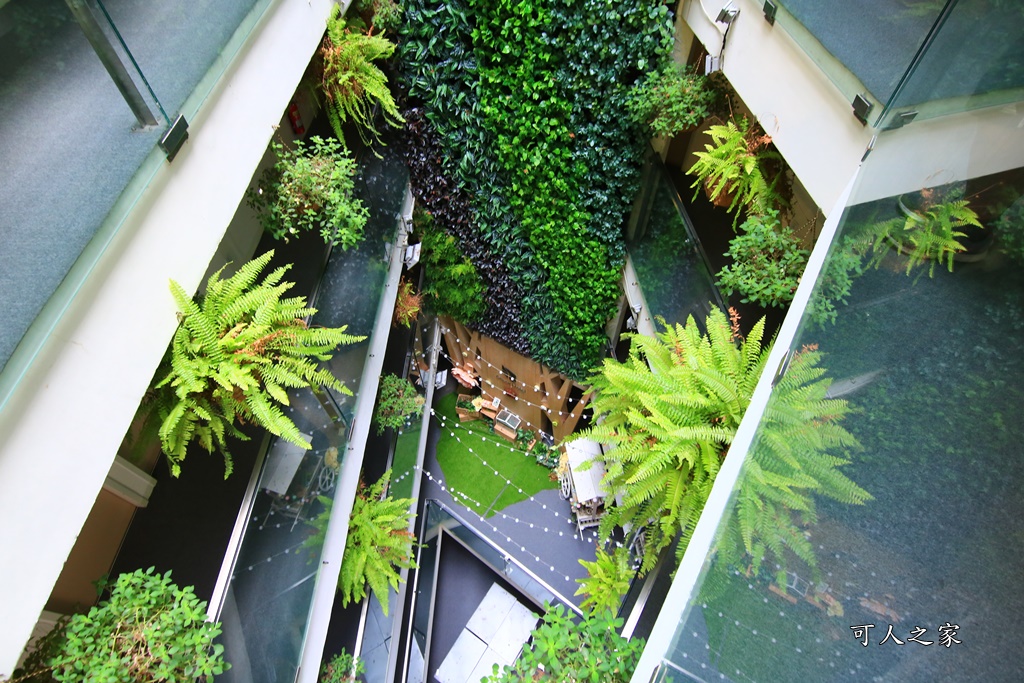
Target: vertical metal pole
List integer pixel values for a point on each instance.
(105, 51)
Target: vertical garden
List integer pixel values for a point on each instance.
(520, 145)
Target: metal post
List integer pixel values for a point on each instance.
(105, 51)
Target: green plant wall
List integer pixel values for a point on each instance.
(528, 100)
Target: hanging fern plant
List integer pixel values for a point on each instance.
(670, 413)
(238, 349)
(378, 544)
(352, 84)
(734, 168)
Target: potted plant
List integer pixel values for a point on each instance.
(735, 168)
(670, 100)
(767, 262)
(148, 630)
(237, 350)
(310, 187)
(931, 231)
(397, 402)
(467, 408)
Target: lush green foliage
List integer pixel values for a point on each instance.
(671, 411)
(238, 348)
(607, 580)
(767, 262)
(398, 400)
(310, 187)
(529, 103)
(570, 652)
(928, 235)
(343, 668)
(378, 545)
(670, 100)
(353, 85)
(149, 629)
(452, 282)
(734, 167)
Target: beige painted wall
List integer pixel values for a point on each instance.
(93, 554)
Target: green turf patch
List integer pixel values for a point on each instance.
(404, 461)
(464, 471)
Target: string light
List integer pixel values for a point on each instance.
(483, 520)
(579, 404)
(468, 351)
(441, 418)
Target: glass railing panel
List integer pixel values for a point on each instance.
(69, 143)
(967, 52)
(60, 195)
(874, 43)
(269, 595)
(176, 43)
(920, 579)
(671, 270)
(975, 59)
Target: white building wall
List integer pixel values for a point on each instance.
(808, 118)
(63, 425)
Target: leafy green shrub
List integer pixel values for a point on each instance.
(397, 401)
(343, 668)
(237, 349)
(385, 15)
(1009, 228)
(844, 264)
(452, 282)
(147, 630)
(767, 262)
(670, 100)
(563, 651)
(310, 187)
(607, 580)
(352, 84)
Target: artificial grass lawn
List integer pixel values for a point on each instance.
(476, 484)
(404, 461)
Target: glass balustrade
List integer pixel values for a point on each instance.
(918, 580)
(72, 146)
(269, 596)
(670, 267)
